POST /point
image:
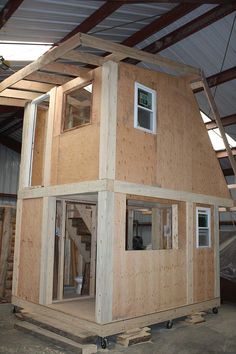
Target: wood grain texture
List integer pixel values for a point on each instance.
(203, 264)
(30, 250)
(75, 153)
(147, 281)
(180, 155)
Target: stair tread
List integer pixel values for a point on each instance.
(85, 348)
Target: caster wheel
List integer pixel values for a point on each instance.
(215, 310)
(169, 324)
(104, 343)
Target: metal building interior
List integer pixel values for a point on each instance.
(196, 33)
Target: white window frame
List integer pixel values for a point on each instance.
(206, 211)
(153, 110)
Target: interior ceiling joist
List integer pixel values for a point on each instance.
(8, 10)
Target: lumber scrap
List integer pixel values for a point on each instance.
(134, 336)
(196, 318)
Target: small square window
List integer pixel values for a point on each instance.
(145, 108)
(77, 108)
(203, 230)
(150, 225)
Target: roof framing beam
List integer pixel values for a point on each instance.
(159, 23)
(226, 121)
(219, 78)
(8, 10)
(98, 16)
(190, 28)
(223, 153)
(12, 128)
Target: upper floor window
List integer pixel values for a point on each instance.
(203, 224)
(77, 107)
(145, 108)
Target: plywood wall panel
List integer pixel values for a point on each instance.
(179, 156)
(75, 153)
(147, 281)
(30, 250)
(203, 265)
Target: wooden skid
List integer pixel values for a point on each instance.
(138, 335)
(117, 326)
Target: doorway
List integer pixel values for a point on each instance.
(74, 275)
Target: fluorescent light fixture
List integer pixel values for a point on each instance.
(217, 141)
(23, 51)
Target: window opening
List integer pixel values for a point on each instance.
(203, 216)
(145, 108)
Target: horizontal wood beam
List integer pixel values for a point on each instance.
(226, 121)
(219, 78)
(10, 143)
(201, 2)
(26, 95)
(33, 86)
(66, 69)
(48, 78)
(223, 153)
(52, 55)
(83, 57)
(120, 52)
(14, 102)
(8, 10)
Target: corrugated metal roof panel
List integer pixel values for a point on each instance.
(9, 167)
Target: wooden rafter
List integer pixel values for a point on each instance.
(67, 50)
(8, 10)
(174, 1)
(65, 69)
(226, 121)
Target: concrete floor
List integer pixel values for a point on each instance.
(215, 336)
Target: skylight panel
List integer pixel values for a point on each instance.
(217, 141)
(23, 51)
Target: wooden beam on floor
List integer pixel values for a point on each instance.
(10, 143)
(226, 121)
(8, 10)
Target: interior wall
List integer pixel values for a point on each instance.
(147, 281)
(75, 153)
(179, 156)
(30, 250)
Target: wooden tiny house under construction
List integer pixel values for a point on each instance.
(117, 214)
